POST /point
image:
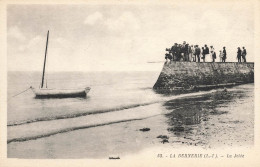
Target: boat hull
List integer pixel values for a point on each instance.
(60, 93)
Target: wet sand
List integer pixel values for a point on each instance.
(224, 119)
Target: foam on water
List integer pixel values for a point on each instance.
(51, 126)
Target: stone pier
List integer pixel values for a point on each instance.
(187, 76)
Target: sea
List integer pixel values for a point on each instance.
(121, 115)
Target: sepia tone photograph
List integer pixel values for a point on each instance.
(115, 80)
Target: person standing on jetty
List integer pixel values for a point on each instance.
(239, 54)
(207, 59)
(190, 52)
(203, 54)
(193, 55)
(244, 54)
(179, 52)
(168, 56)
(172, 50)
(186, 52)
(224, 54)
(183, 51)
(212, 53)
(220, 56)
(197, 52)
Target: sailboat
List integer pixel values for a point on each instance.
(42, 92)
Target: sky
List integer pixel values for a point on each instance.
(121, 37)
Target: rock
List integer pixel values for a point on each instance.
(176, 129)
(163, 137)
(165, 141)
(114, 157)
(144, 129)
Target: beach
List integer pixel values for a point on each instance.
(109, 124)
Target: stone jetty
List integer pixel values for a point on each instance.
(181, 77)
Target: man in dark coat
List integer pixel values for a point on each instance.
(224, 54)
(244, 54)
(186, 52)
(197, 52)
(239, 54)
(203, 54)
(179, 52)
(173, 51)
(183, 51)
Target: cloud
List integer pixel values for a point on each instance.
(36, 42)
(118, 37)
(93, 18)
(32, 52)
(125, 21)
(15, 33)
(32, 44)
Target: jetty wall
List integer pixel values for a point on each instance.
(185, 76)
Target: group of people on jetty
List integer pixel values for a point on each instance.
(186, 52)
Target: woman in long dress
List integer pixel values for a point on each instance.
(220, 56)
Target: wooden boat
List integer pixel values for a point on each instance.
(60, 93)
(57, 93)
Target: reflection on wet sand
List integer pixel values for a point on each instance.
(192, 121)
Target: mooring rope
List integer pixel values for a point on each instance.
(20, 93)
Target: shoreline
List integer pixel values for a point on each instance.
(217, 126)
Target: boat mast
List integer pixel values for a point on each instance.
(43, 72)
